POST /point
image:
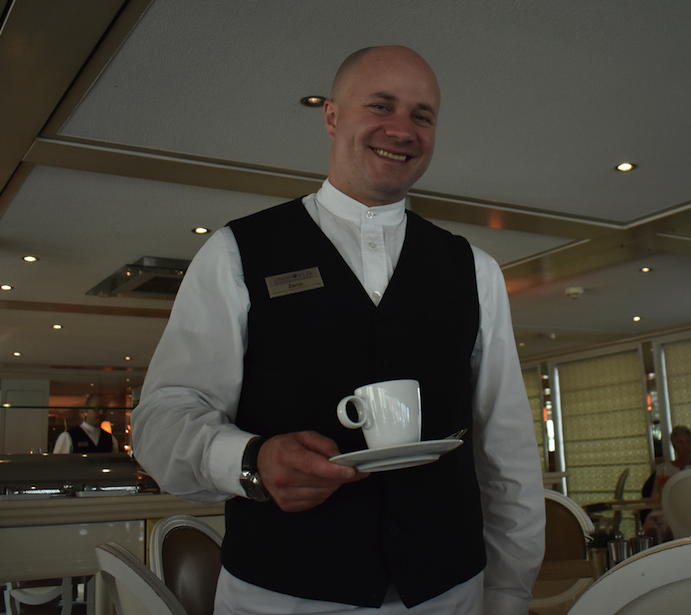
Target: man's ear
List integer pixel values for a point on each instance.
(330, 116)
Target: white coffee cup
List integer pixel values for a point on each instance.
(389, 413)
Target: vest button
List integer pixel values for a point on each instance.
(385, 363)
(394, 530)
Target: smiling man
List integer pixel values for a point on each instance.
(382, 119)
(239, 403)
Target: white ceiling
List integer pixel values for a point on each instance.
(127, 123)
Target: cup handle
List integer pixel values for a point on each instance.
(361, 408)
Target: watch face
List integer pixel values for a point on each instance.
(253, 489)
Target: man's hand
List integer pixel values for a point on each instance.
(296, 470)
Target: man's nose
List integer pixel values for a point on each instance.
(401, 127)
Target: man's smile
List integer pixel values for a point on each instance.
(391, 155)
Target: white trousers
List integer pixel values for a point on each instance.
(236, 597)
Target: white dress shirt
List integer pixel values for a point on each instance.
(64, 442)
(184, 432)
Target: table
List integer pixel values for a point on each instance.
(636, 506)
(549, 479)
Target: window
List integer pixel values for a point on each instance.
(604, 427)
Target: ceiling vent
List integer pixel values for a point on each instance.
(148, 278)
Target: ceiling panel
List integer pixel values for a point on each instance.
(540, 102)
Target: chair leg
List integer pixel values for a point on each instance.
(67, 596)
(11, 604)
(90, 596)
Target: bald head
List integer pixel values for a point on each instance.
(349, 66)
(381, 118)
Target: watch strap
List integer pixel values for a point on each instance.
(249, 458)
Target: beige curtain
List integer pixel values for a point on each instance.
(604, 427)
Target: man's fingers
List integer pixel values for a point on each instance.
(296, 470)
(319, 444)
(308, 452)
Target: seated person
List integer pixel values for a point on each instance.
(681, 443)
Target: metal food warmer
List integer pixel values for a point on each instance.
(24, 477)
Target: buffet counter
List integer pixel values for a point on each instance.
(56, 537)
(69, 510)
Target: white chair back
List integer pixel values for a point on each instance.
(566, 526)
(185, 553)
(676, 503)
(657, 580)
(134, 589)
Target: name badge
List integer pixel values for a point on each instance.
(294, 282)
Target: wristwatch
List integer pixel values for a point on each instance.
(249, 477)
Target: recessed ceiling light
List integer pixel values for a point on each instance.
(30, 259)
(646, 269)
(6, 287)
(17, 354)
(200, 230)
(313, 101)
(636, 318)
(127, 358)
(625, 166)
(57, 326)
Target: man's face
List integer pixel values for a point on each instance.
(94, 416)
(682, 445)
(382, 123)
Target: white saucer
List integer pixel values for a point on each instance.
(398, 457)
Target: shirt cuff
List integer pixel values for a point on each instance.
(225, 460)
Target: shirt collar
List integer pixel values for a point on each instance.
(341, 205)
(89, 428)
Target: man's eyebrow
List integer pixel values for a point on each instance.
(421, 106)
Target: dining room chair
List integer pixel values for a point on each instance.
(594, 510)
(566, 571)
(657, 580)
(34, 594)
(676, 503)
(185, 553)
(133, 588)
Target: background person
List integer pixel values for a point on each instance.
(654, 524)
(88, 437)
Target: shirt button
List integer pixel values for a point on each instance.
(370, 214)
(372, 245)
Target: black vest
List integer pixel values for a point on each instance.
(420, 528)
(82, 443)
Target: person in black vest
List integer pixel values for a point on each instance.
(88, 437)
(239, 403)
